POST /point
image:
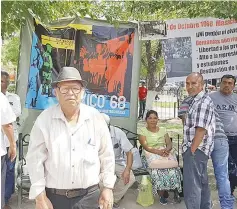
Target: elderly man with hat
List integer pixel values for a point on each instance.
(70, 151)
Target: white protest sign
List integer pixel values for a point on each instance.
(205, 45)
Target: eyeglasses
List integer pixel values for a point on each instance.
(65, 89)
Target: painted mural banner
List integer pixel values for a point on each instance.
(103, 55)
(205, 45)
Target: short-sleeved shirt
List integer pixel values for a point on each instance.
(184, 106)
(155, 140)
(7, 116)
(14, 101)
(121, 145)
(219, 134)
(201, 114)
(142, 93)
(226, 106)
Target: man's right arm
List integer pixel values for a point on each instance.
(36, 156)
(7, 118)
(9, 131)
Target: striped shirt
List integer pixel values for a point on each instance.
(61, 156)
(219, 133)
(201, 113)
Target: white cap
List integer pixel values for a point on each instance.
(106, 118)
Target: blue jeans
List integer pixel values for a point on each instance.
(232, 162)
(142, 106)
(219, 157)
(196, 189)
(3, 179)
(10, 179)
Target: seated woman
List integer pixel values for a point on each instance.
(163, 166)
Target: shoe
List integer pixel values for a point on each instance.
(163, 201)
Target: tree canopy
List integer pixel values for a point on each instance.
(10, 51)
(14, 12)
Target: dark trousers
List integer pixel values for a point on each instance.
(232, 162)
(3, 179)
(10, 179)
(142, 106)
(196, 189)
(89, 201)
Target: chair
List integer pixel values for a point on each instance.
(143, 171)
(133, 137)
(23, 179)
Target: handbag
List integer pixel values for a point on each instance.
(157, 161)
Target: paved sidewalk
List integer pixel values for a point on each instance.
(129, 202)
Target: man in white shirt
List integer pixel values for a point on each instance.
(122, 146)
(7, 118)
(14, 101)
(70, 151)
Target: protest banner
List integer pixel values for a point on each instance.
(205, 45)
(103, 55)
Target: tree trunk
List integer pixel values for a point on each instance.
(152, 61)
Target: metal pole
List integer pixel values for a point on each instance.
(174, 109)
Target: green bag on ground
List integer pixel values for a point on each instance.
(145, 196)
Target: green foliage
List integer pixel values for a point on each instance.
(10, 51)
(12, 88)
(13, 15)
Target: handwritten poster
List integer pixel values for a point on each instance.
(205, 45)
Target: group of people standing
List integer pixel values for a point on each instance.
(75, 157)
(210, 131)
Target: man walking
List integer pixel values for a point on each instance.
(122, 146)
(7, 118)
(14, 101)
(225, 102)
(199, 130)
(70, 151)
(142, 100)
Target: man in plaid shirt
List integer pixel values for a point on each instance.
(199, 131)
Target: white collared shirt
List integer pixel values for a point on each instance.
(7, 116)
(121, 145)
(15, 102)
(64, 157)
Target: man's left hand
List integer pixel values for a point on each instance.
(106, 199)
(126, 176)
